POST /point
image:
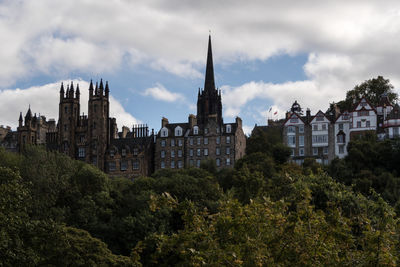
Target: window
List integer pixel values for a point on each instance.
(198, 152)
(81, 152)
(228, 161)
(172, 142)
(341, 149)
(82, 138)
(206, 130)
(180, 142)
(218, 140)
(301, 152)
(191, 163)
(198, 140)
(66, 110)
(191, 152)
(291, 129)
(218, 162)
(94, 125)
(135, 151)
(340, 126)
(162, 164)
(301, 129)
(178, 131)
(228, 150)
(217, 129)
(228, 139)
(198, 163)
(65, 127)
(164, 132)
(111, 166)
(180, 164)
(172, 153)
(292, 140)
(205, 140)
(94, 160)
(163, 143)
(301, 140)
(325, 150)
(368, 124)
(124, 165)
(315, 127)
(135, 165)
(191, 141)
(195, 130)
(318, 139)
(179, 153)
(363, 113)
(340, 138)
(292, 152)
(162, 154)
(315, 151)
(358, 124)
(294, 120)
(395, 131)
(123, 152)
(228, 128)
(205, 151)
(324, 127)
(217, 151)
(172, 164)
(320, 118)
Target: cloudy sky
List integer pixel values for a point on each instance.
(153, 52)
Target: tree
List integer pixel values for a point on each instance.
(372, 89)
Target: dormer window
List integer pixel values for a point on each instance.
(164, 132)
(228, 128)
(178, 131)
(195, 130)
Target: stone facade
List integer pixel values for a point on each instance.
(205, 136)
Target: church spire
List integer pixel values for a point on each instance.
(209, 83)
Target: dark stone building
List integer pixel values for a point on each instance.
(204, 136)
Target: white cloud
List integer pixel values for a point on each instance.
(45, 100)
(161, 93)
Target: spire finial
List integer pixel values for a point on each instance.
(209, 83)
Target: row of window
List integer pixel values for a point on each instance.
(197, 141)
(124, 152)
(179, 131)
(198, 152)
(315, 151)
(179, 163)
(322, 127)
(123, 164)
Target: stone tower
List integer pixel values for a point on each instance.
(209, 104)
(69, 109)
(98, 123)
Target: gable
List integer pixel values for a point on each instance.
(293, 119)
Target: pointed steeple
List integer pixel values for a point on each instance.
(71, 90)
(209, 83)
(107, 90)
(78, 92)
(20, 117)
(96, 89)
(28, 115)
(91, 88)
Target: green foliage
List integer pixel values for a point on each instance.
(372, 89)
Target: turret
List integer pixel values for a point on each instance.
(20, 119)
(91, 89)
(62, 92)
(71, 90)
(101, 88)
(107, 90)
(78, 93)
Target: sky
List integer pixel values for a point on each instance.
(267, 54)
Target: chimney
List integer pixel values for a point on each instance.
(164, 122)
(125, 131)
(192, 120)
(308, 115)
(239, 122)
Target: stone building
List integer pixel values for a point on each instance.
(205, 136)
(92, 138)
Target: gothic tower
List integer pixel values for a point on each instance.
(69, 109)
(209, 104)
(98, 123)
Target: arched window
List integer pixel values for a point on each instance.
(178, 131)
(164, 132)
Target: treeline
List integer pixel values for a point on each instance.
(55, 211)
